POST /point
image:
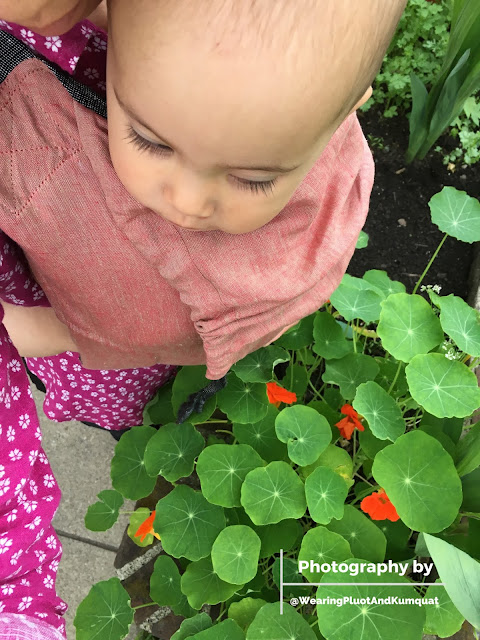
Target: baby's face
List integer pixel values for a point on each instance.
(210, 141)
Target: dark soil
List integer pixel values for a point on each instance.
(402, 236)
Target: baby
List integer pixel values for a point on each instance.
(217, 111)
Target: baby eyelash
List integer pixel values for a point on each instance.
(145, 145)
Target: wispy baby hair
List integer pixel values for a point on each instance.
(317, 38)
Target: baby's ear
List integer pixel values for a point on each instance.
(366, 96)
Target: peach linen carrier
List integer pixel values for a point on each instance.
(133, 289)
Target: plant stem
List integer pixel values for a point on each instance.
(474, 363)
(395, 378)
(126, 513)
(142, 606)
(430, 263)
(229, 433)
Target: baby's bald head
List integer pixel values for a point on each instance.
(234, 89)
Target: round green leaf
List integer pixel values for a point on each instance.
(235, 554)
(187, 381)
(365, 539)
(290, 574)
(273, 493)
(467, 451)
(258, 366)
(326, 492)
(191, 626)
(202, 585)
(334, 458)
(382, 413)
(456, 213)
(362, 241)
(270, 625)
(306, 432)
(128, 472)
(244, 611)
(321, 546)
(165, 587)
(262, 436)
(172, 451)
(356, 298)
(461, 323)
(226, 630)
(443, 619)
(460, 573)
(103, 514)
(105, 612)
(187, 523)
(244, 402)
(408, 326)
(282, 535)
(445, 388)
(298, 336)
(368, 621)
(420, 479)
(135, 520)
(381, 280)
(159, 410)
(222, 469)
(349, 372)
(330, 342)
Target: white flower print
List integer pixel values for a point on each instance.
(53, 566)
(24, 582)
(87, 31)
(30, 505)
(2, 607)
(36, 522)
(10, 434)
(15, 455)
(48, 481)
(73, 63)
(51, 542)
(65, 395)
(53, 42)
(58, 405)
(7, 589)
(4, 24)
(24, 421)
(15, 365)
(4, 486)
(32, 456)
(48, 582)
(38, 432)
(2, 470)
(28, 37)
(41, 555)
(12, 516)
(33, 487)
(98, 43)
(104, 371)
(15, 393)
(15, 557)
(43, 458)
(25, 603)
(85, 387)
(7, 400)
(5, 544)
(102, 85)
(77, 367)
(91, 73)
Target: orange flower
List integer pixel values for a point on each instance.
(277, 394)
(379, 507)
(146, 527)
(348, 424)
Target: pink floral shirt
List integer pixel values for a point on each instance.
(30, 550)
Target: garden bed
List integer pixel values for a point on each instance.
(401, 234)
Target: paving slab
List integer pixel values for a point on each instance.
(80, 457)
(81, 566)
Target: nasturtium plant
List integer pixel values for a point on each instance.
(351, 439)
